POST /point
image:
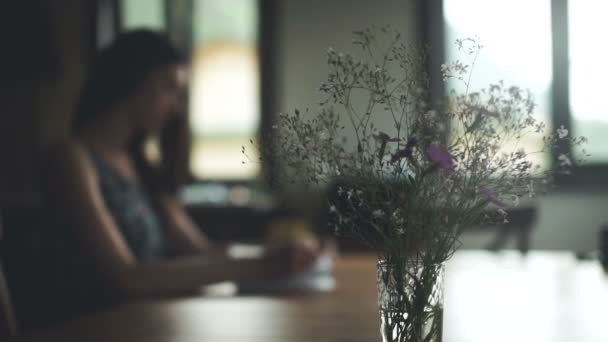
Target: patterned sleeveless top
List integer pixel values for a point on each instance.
(132, 209)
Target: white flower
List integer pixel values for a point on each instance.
(378, 213)
(400, 231)
(515, 200)
(445, 72)
(503, 213)
(332, 209)
(562, 132)
(564, 160)
(530, 189)
(398, 219)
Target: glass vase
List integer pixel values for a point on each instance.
(410, 299)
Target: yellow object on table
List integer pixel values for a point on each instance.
(290, 230)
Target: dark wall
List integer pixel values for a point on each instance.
(25, 33)
(45, 47)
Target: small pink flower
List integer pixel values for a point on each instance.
(491, 197)
(441, 157)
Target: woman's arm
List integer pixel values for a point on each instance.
(73, 189)
(184, 236)
(186, 274)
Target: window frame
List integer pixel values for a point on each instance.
(432, 30)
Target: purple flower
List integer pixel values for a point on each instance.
(491, 197)
(441, 157)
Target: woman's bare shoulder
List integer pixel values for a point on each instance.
(67, 147)
(68, 157)
(67, 150)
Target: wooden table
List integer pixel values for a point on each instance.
(489, 297)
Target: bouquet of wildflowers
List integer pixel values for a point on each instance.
(407, 177)
(415, 184)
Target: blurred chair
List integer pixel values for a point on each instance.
(520, 223)
(8, 321)
(25, 254)
(48, 275)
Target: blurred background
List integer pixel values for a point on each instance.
(251, 59)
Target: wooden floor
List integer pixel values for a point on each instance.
(489, 297)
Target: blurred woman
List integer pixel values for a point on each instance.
(121, 207)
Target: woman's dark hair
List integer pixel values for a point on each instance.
(117, 71)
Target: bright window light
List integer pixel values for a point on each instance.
(516, 36)
(148, 14)
(225, 107)
(588, 53)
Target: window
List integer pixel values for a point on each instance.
(225, 95)
(143, 14)
(225, 79)
(588, 74)
(517, 52)
(552, 47)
